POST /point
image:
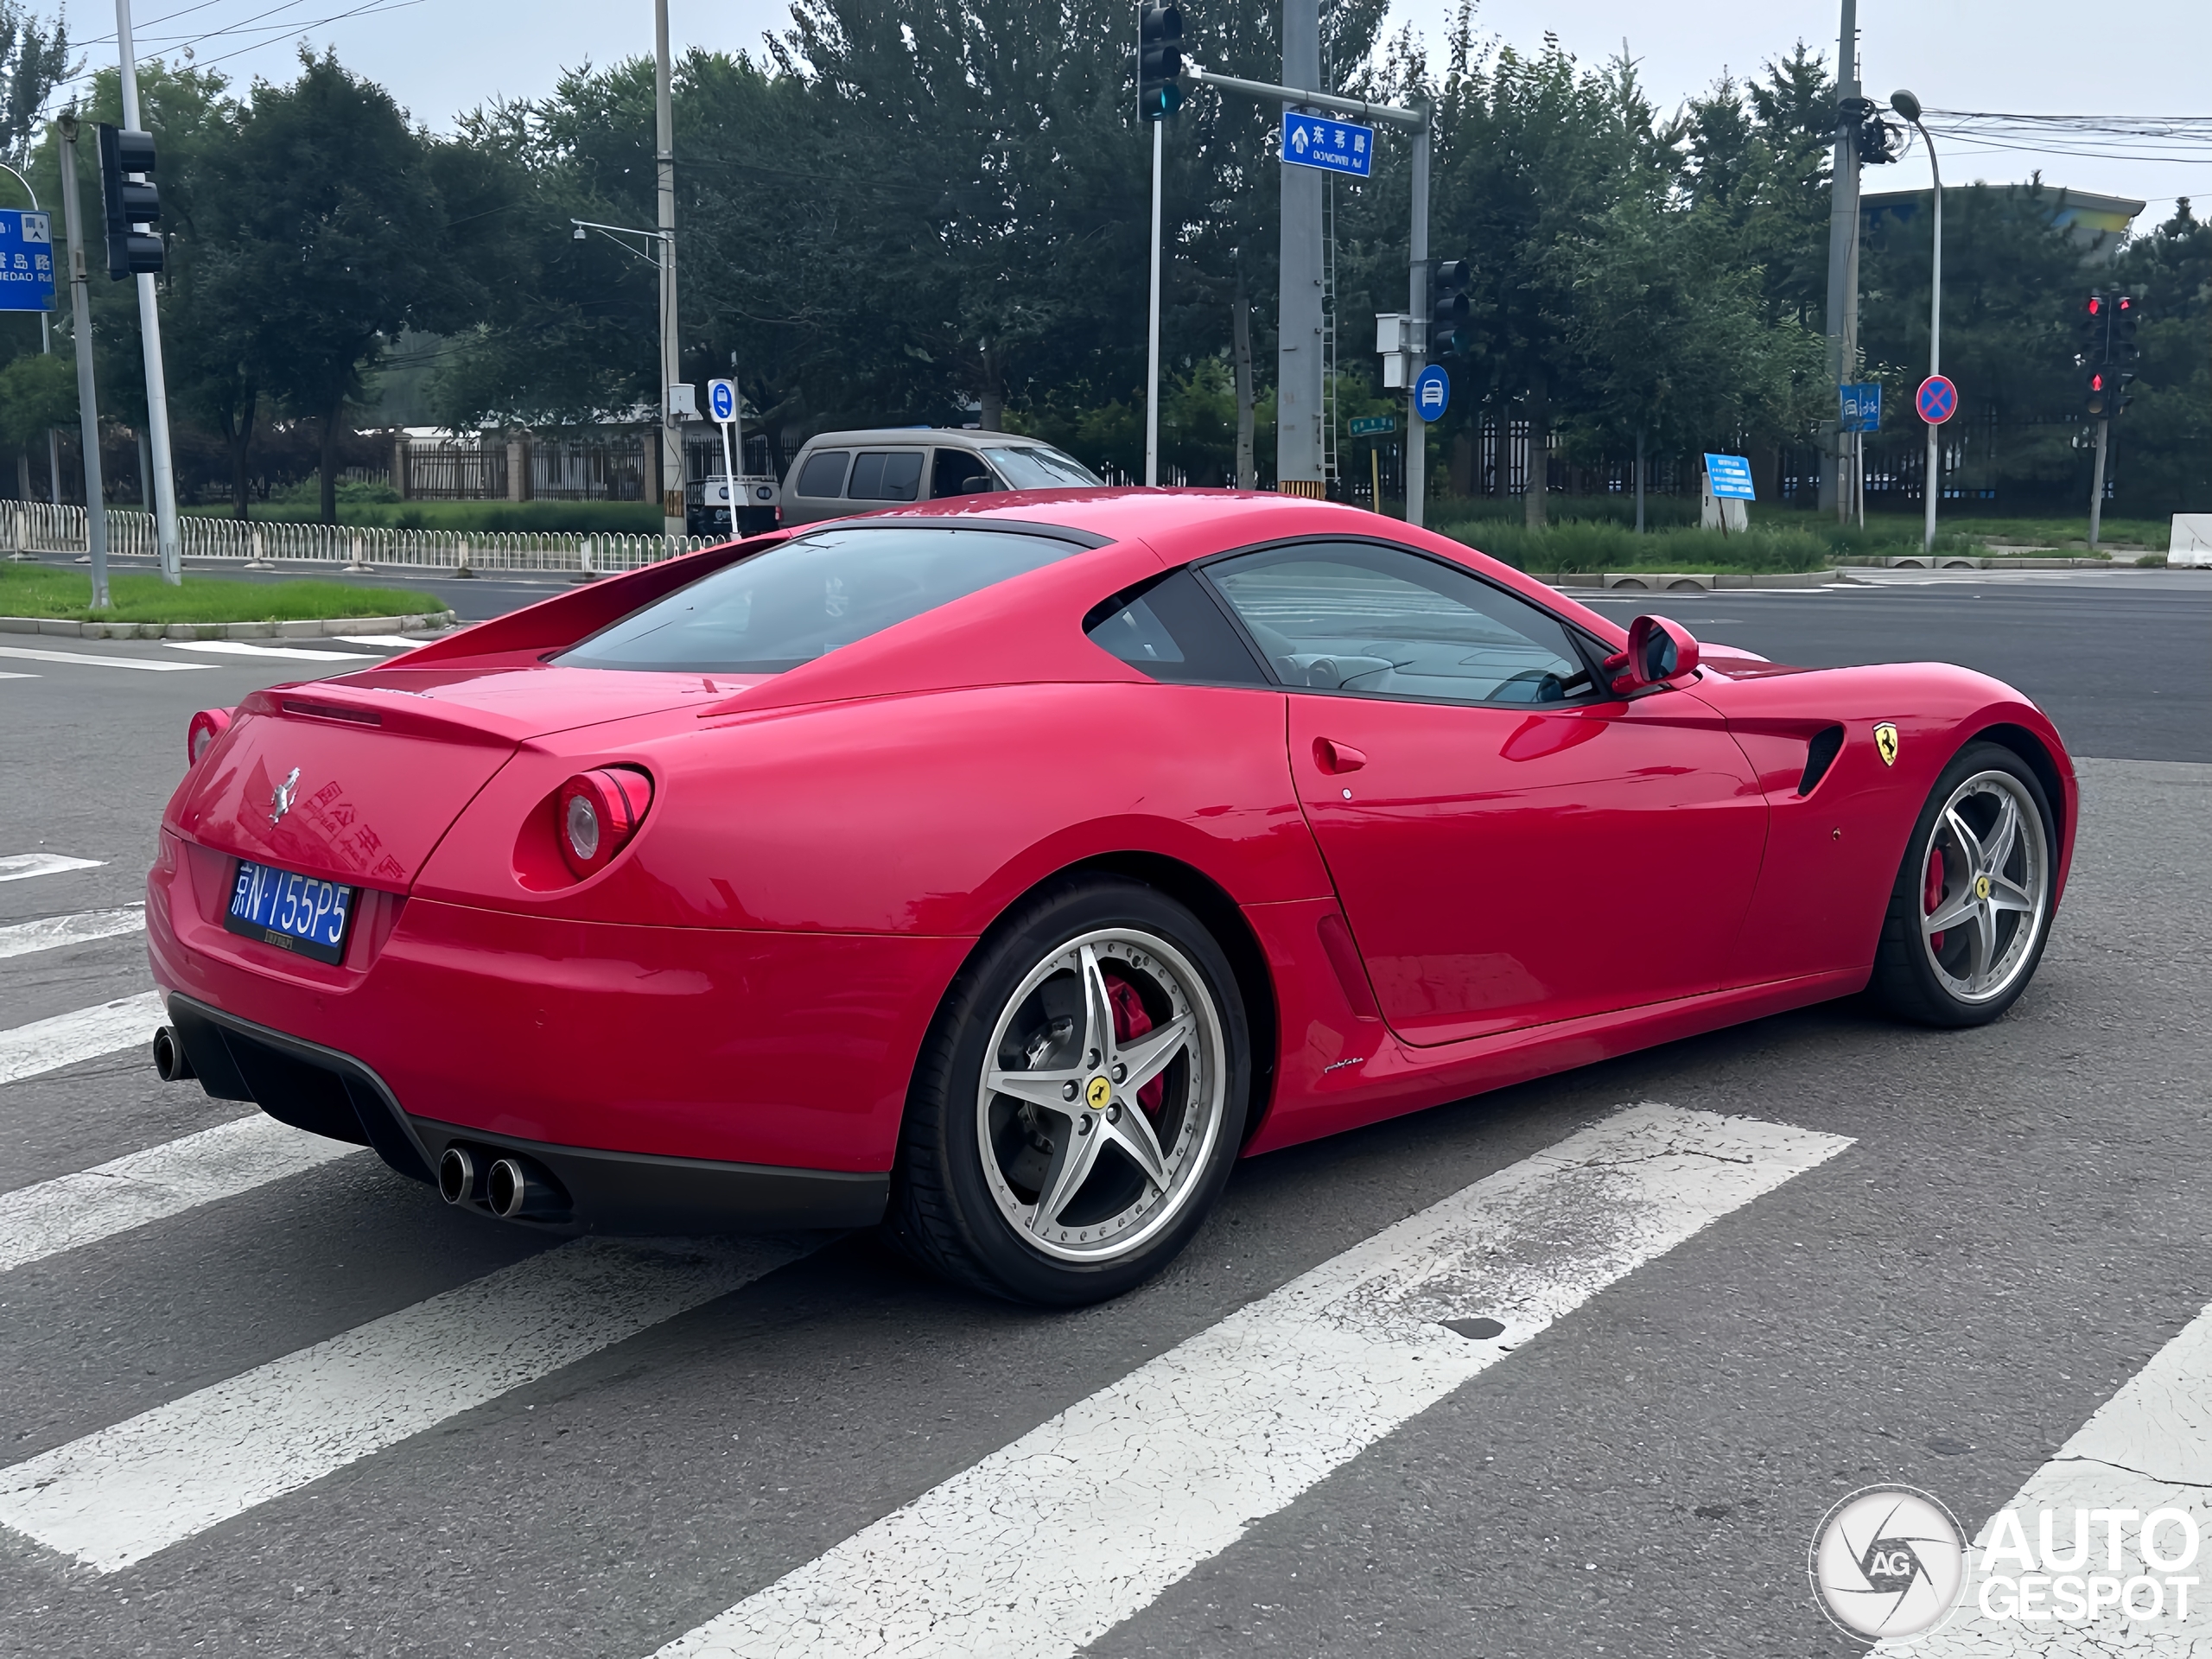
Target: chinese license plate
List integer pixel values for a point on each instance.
(296, 912)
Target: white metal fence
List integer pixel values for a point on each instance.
(35, 527)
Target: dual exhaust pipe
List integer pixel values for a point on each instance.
(512, 1187)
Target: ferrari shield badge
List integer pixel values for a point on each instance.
(1885, 743)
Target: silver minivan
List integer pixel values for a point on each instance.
(837, 473)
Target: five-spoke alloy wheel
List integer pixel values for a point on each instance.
(1080, 1099)
(1972, 906)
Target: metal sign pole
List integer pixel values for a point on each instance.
(1417, 298)
(1152, 348)
(671, 430)
(88, 413)
(149, 334)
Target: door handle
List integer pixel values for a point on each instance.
(1333, 757)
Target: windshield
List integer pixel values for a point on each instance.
(1033, 467)
(805, 598)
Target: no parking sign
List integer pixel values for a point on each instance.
(1937, 400)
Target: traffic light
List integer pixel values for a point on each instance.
(2093, 324)
(2104, 393)
(2123, 310)
(131, 204)
(1160, 61)
(1448, 306)
(2122, 393)
(1871, 135)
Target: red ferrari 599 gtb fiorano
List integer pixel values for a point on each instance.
(1001, 871)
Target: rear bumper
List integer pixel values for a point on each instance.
(325, 1092)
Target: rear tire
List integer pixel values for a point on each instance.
(1078, 1100)
(1971, 909)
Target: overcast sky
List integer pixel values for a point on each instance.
(440, 57)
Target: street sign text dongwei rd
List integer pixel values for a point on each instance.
(26, 261)
(1332, 146)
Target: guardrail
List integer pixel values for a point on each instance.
(35, 527)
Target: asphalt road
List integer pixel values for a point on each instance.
(2015, 1227)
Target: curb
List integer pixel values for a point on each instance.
(323, 627)
(1688, 580)
(1983, 562)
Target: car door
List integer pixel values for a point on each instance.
(1512, 844)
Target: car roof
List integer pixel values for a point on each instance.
(957, 437)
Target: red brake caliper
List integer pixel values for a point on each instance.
(1931, 897)
(1131, 1023)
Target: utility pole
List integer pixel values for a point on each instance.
(1152, 345)
(149, 336)
(80, 313)
(1417, 304)
(672, 430)
(1843, 227)
(1297, 354)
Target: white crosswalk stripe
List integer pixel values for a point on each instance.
(244, 648)
(2147, 1449)
(387, 641)
(118, 1495)
(73, 1211)
(1176, 1459)
(86, 659)
(50, 932)
(21, 867)
(83, 1034)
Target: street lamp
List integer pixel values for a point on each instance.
(1909, 107)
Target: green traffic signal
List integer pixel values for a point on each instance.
(1160, 61)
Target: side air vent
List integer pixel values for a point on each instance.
(1820, 755)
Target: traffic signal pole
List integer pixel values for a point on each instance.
(1151, 346)
(149, 336)
(2097, 488)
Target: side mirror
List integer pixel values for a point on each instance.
(1660, 652)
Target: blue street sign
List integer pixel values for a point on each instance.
(26, 261)
(721, 400)
(1431, 393)
(1332, 146)
(1861, 406)
(1731, 476)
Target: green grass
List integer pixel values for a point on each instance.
(1600, 547)
(41, 590)
(595, 517)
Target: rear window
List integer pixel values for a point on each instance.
(805, 598)
(824, 473)
(1033, 467)
(886, 475)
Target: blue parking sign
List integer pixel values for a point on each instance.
(1431, 393)
(721, 400)
(26, 261)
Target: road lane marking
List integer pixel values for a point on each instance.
(240, 648)
(1171, 1465)
(22, 654)
(85, 1034)
(121, 1494)
(18, 867)
(73, 1211)
(388, 641)
(2147, 1448)
(49, 932)
(3, 675)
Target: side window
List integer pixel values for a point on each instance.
(885, 475)
(1346, 616)
(1173, 631)
(959, 471)
(823, 474)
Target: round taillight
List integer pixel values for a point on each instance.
(596, 814)
(206, 726)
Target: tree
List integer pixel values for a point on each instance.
(2166, 437)
(334, 224)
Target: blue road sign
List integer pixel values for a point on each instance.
(1431, 393)
(1332, 146)
(1731, 476)
(1937, 400)
(26, 261)
(721, 400)
(1861, 406)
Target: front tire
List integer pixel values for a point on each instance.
(1079, 1100)
(1971, 909)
